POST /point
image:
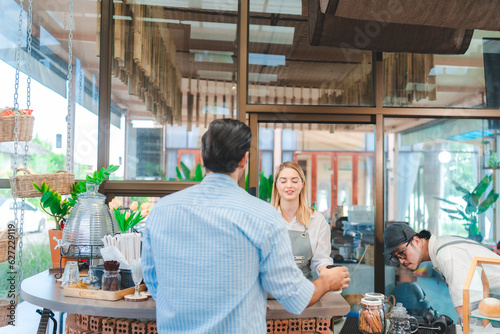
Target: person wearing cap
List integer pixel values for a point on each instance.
(450, 256)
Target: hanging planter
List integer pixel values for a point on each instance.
(7, 239)
(24, 125)
(60, 181)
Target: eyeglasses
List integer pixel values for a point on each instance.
(401, 255)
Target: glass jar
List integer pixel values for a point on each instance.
(88, 222)
(111, 280)
(371, 316)
(400, 321)
(92, 282)
(386, 306)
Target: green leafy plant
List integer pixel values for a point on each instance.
(265, 187)
(54, 205)
(184, 173)
(126, 219)
(473, 205)
(493, 160)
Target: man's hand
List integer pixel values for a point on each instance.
(338, 278)
(333, 279)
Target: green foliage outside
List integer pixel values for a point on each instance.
(49, 161)
(36, 259)
(469, 212)
(265, 187)
(185, 174)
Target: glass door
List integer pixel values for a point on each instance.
(338, 180)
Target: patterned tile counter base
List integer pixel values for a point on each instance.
(87, 324)
(299, 326)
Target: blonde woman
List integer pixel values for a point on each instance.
(309, 232)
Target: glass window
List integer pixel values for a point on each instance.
(48, 69)
(336, 186)
(460, 81)
(432, 166)
(174, 71)
(283, 68)
(49, 91)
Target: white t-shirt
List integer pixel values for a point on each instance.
(320, 237)
(453, 262)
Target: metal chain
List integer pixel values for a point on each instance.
(30, 40)
(16, 137)
(70, 77)
(26, 148)
(81, 89)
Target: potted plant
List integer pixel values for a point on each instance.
(58, 207)
(473, 206)
(127, 218)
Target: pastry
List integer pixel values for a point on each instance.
(490, 307)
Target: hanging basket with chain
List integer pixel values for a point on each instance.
(8, 244)
(7, 125)
(61, 181)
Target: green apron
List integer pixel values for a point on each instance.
(302, 251)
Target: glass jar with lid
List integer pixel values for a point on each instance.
(401, 321)
(88, 222)
(111, 280)
(385, 304)
(371, 316)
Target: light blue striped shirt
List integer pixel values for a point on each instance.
(211, 253)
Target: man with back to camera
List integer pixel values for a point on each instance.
(211, 252)
(450, 256)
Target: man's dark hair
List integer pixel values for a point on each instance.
(224, 145)
(424, 234)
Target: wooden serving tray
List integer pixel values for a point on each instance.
(75, 291)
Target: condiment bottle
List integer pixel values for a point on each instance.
(371, 316)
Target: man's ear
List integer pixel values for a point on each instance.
(244, 160)
(416, 240)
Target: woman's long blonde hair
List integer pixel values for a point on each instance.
(304, 211)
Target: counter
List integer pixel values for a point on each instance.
(43, 290)
(332, 304)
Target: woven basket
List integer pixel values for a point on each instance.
(353, 298)
(24, 128)
(4, 245)
(5, 308)
(370, 255)
(61, 181)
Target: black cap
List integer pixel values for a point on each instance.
(397, 234)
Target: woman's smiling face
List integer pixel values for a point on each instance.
(289, 184)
